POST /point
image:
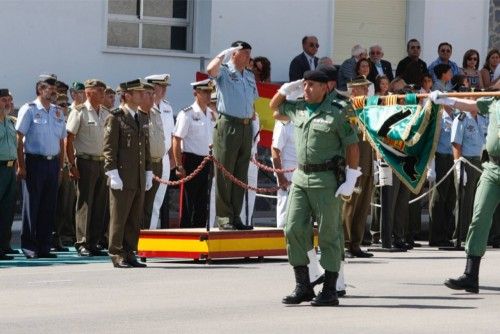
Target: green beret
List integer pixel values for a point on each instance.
(77, 86)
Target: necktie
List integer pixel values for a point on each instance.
(311, 64)
(136, 117)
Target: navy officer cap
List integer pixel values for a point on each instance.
(4, 92)
(244, 45)
(329, 70)
(316, 75)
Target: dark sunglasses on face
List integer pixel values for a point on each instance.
(312, 45)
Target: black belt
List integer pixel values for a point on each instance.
(495, 159)
(313, 168)
(244, 121)
(8, 163)
(90, 157)
(42, 157)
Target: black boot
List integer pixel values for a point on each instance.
(328, 296)
(304, 291)
(469, 281)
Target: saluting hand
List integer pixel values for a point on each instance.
(226, 54)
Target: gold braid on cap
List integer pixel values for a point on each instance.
(358, 102)
(390, 100)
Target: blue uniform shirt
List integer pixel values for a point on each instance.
(470, 133)
(236, 92)
(42, 129)
(8, 141)
(444, 143)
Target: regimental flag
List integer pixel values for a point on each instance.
(406, 137)
(266, 92)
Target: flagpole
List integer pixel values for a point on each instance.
(451, 94)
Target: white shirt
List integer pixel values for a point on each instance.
(283, 140)
(195, 128)
(167, 118)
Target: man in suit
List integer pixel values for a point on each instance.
(127, 162)
(347, 70)
(378, 66)
(305, 61)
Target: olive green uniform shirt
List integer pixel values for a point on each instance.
(491, 106)
(318, 138)
(8, 141)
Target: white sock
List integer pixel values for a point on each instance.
(340, 280)
(315, 269)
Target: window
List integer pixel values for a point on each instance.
(150, 24)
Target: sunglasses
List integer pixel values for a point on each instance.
(445, 50)
(312, 45)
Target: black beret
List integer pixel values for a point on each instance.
(60, 84)
(4, 92)
(329, 70)
(244, 45)
(316, 75)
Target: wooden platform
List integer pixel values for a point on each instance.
(198, 244)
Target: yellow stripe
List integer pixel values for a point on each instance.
(172, 245)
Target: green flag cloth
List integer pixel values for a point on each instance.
(406, 136)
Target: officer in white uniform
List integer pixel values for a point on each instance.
(160, 82)
(191, 139)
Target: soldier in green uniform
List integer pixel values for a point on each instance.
(128, 167)
(8, 157)
(487, 195)
(156, 145)
(322, 135)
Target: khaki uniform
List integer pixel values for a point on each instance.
(318, 138)
(157, 149)
(126, 148)
(88, 127)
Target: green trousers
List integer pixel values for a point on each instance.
(232, 147)
(486, 200)
(326, 208)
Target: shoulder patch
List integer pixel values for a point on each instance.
(80, 107)
(339, 103)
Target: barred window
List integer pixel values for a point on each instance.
(150, 24)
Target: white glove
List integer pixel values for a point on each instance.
(376, 165)
(347, 188)
(458, 164)
(293, 87)
(437, 98)
(431, 171)
(226, 54)
(149, 179)
(385, 174)
(115, 182)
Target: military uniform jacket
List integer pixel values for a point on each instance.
(318, 138)
(156, 134)
(126, 147)
(8, 141)
(491, 106)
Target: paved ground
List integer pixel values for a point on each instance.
(390, 293)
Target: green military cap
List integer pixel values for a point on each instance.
(136, 84)
(158, 79)
(50, 79)
(92, 83)
(76, 85)
(206, 84)
(315, 75)
(109, 90)
(4, 92)
(358, 81)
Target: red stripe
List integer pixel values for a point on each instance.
(175, 255)
(211, 255)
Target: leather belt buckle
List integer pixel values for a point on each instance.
(10, 163)
(49, 157)
(246, 121)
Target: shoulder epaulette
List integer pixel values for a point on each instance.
(341, 104)
(117, 111)
(104, 108)
(32, 104)
(461, 116)
(80, 107)
(12, 119)
(187, 109)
